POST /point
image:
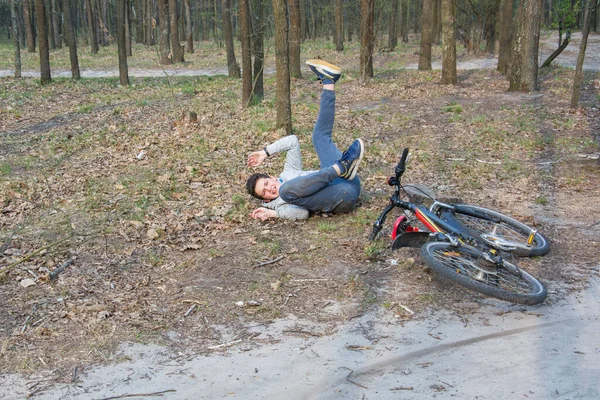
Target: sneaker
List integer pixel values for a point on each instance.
(327, 73)
(350, 160)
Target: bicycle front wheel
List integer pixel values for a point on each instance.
(466, 266)
(501, 231)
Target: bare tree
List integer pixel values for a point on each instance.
(393, 30)
(523, 71)
(121, 45)
(164, 46)
(367, 39)
(506, 24)
(448, 43)
(176, 47)
(244, 20)
(295, 38)
(339, 25)
(28, 26)
(92, 26)
(15, 35)
(258, 51)
(56, 22)
(71, 40)
(232, 67)
(188, 26)
(426, 35)
(42, 26)
(282, 66)
(587, 16)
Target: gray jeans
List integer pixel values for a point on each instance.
(323, 190)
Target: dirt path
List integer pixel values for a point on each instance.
(440, 355)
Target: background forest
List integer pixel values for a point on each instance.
(123, 214)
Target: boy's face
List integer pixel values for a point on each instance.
(267, 188)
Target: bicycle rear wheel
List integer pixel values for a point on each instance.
(466, 266)
(499, 230)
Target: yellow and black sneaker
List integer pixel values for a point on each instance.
(326, 72)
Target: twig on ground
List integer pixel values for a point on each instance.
(262, 264)
(488, 162)
(190, 310)
(138, 395)
(402, 388)
(225, 344)
(24, 328)
(60, 269)
(406, 308)
(303, 333)
(354, 383)
(434, 336)
(33, 254)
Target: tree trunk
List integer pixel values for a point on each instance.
(15, 35)
(282, 67)
(176, 46)
(426, 33)
(232, 67)
(42, 27)
(559, 50)
(366, 39)
(258, 50)
(28, 26)
(506, 24)
(490, 27)
(581, 58)
(188, 27)
(295, 39)
(393, 31)
(436, 28)
(244, 21)
(139, 21)
(524, 66)
(404, 20)
(150, 24)
(71, 40)
(339, 25)
(128, 27)
(121, 43)
(164, 46)
(448, 43)
(93, 29)
(56, 23)
(48, 9)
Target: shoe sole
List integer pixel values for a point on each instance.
(325, 66)
(356, 163)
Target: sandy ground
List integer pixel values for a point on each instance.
(501, 352)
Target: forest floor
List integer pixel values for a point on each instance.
(149, 208)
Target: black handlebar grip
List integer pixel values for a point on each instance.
(402, 164)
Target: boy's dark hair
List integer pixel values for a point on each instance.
(251, 184)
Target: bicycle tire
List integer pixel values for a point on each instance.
(466, 266)
(480, 221)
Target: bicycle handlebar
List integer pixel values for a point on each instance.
(401, 167)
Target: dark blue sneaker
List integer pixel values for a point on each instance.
(326, 72)
(351, 159)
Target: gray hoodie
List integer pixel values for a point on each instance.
(291, 169)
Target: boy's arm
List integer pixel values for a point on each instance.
(289, 144)
(285, 210)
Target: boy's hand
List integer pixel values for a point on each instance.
(263, 214)
(256, 158)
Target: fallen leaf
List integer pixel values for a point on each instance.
(27, 282)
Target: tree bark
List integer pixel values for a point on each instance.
(150, 24)
(15, 35)
(92, 25)
(42, 26)
(426, 34)
(164, 46)
(244, 21)
(506, 24)
(339, 25)
(128, 25)
(56, 23)
(367, 38)
(524, 66)
(188, 27)
(233, 68)
(282, 67)
(71, 40)
(295, 38)
(559, 50)
(581, 57)
(404, 20)
(121, 43)
(448, 43)
(176, 47)
(28, 26)
(393, 30)
(258, 51)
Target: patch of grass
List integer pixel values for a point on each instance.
(543, 200)
(5, 169)
(85, 109)
(374, 249)
(453, 107)
(326, 226)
